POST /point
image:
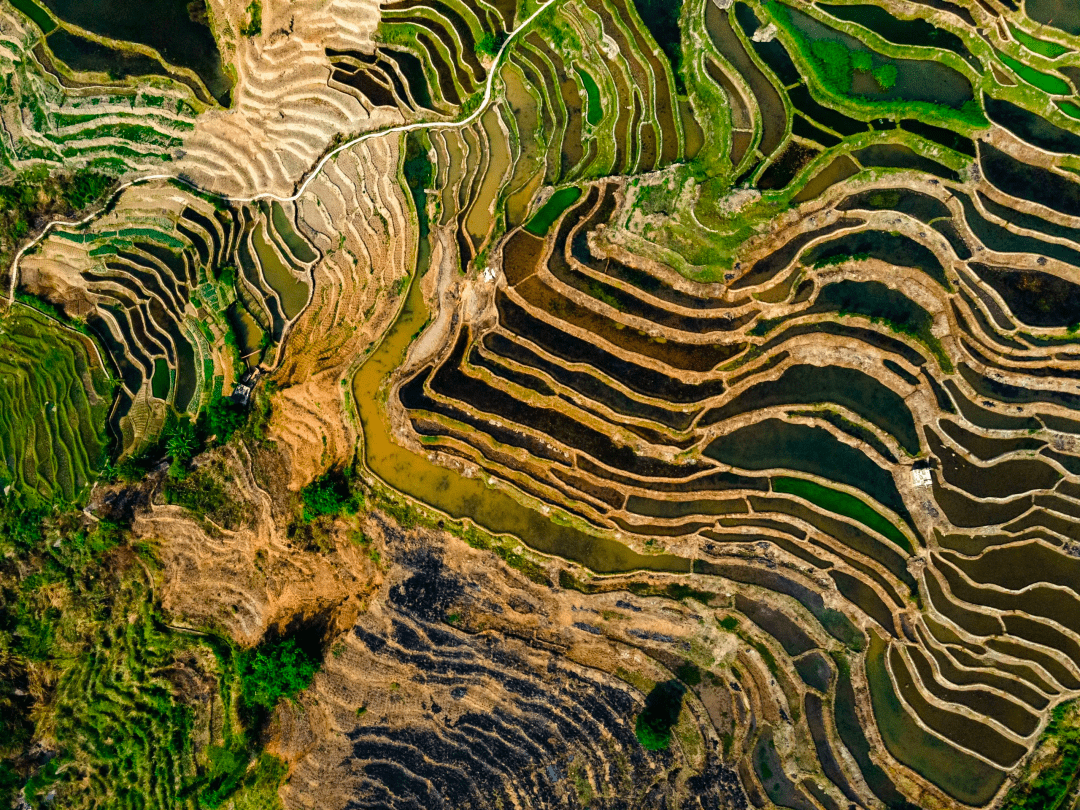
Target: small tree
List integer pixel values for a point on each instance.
(661, 712)
(253, 27)
(886, 76)
(490, 43)
(223, 418)
(328, 495)
(181, 446)
(272, 671)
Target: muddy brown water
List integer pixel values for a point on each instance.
(292, 291)
(480, 216)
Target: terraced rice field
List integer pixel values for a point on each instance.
(773, 314)
(184, 302)
(53, 436)
(866, 404)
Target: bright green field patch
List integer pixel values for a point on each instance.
(162, 379)
(1051, 50)
(149, 233)
(595, 113)
(1069, 108)
(52, 426)
(1049, 781)
(842, 504)
(562, 199)
(1045, 82)
(125, 235)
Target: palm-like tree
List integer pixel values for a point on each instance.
(181, 443)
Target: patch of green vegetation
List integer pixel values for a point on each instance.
(135, 133)
(834, 64)
(838, 65)
(1069, 108)
(1053, 781)
(222, 418)
(244, 787)
(841, 627)
(52, 426)
(885, 76)
(1044, 81)
(689, 673)
(679, 591)
(1051, 50)
(542, 220)
(490, 43)
(706, 254)
(419, 173)
(331, 494)
(594, 113)
(762, 650)
(729, 623)
(596, 290)
(36, 13)
(569, 582)
(842, 503)
(253, 26)
(180, 443)
(115, 694)
(209, 492)
(662, 707)
(840, 258)
(43, 306)
(180, 439)
(674, 590)
(763, 762)
(472, 103)
(273, 671)
(766, 325)
(582, 786)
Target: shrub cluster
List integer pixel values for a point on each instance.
(332, 494)
(661, 712)
(274, 671)
(490, 43)
(253, 27)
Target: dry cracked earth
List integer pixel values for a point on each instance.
(715, 352)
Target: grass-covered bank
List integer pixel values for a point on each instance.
(1050, 780)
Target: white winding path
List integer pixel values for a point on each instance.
(378, 133)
